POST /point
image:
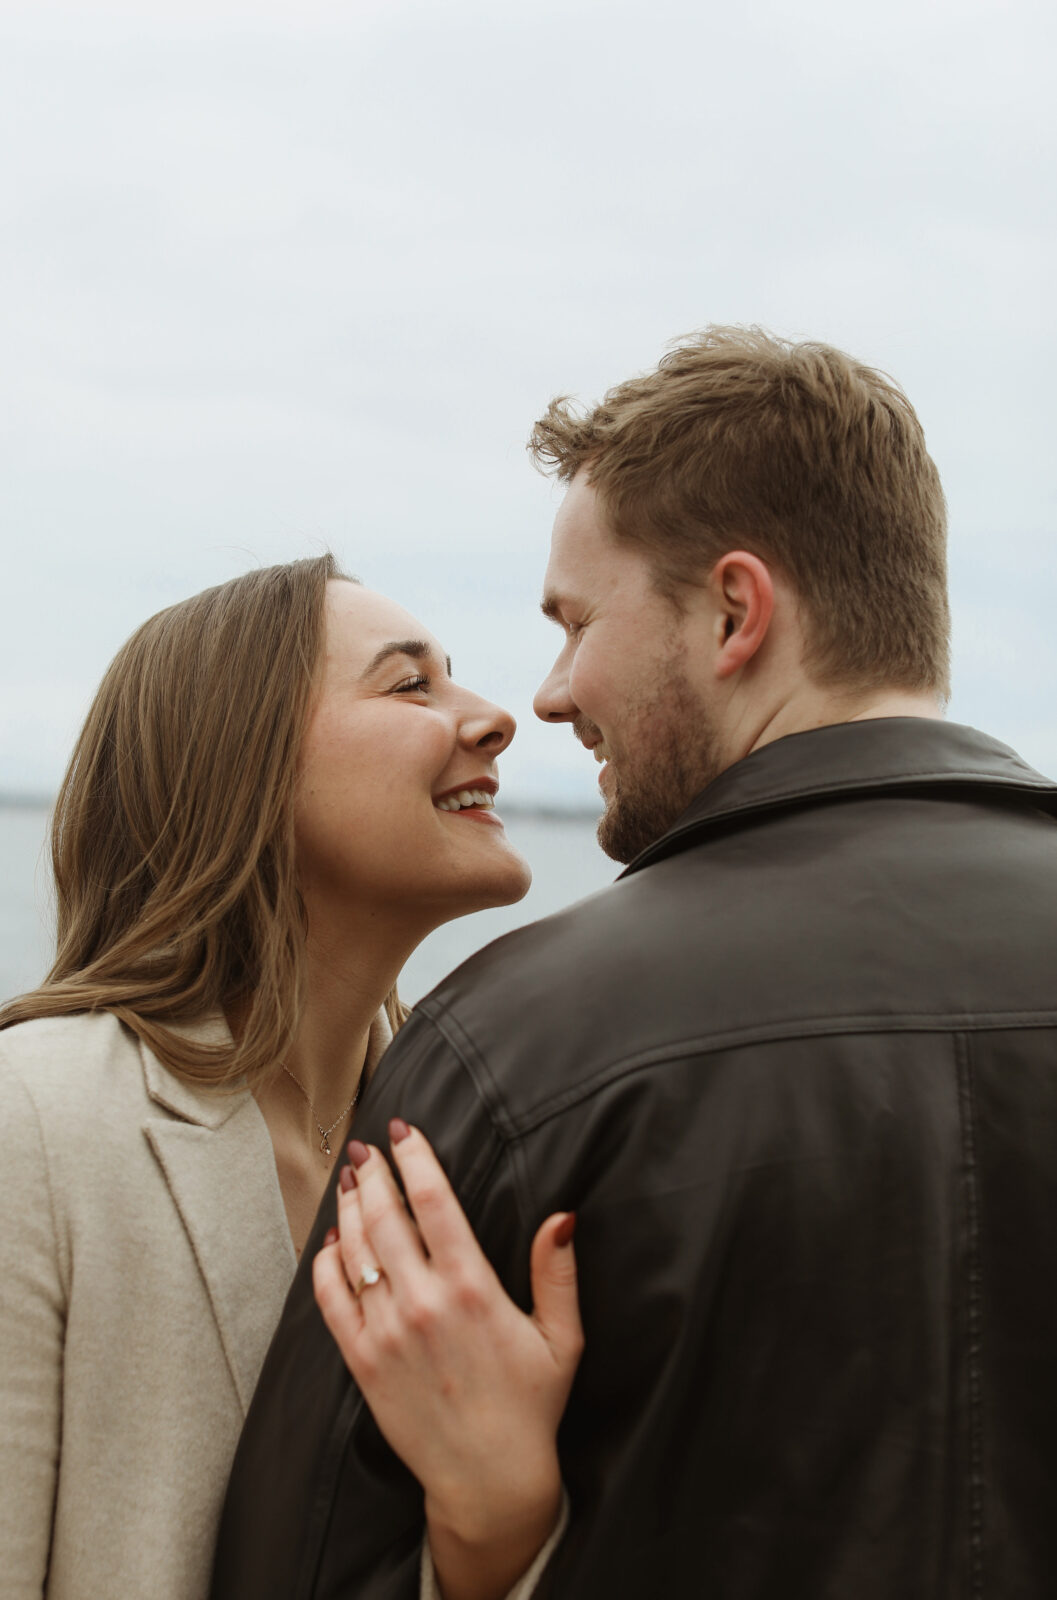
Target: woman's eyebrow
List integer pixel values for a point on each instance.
(417, 649)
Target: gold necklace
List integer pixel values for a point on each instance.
(324, 1133)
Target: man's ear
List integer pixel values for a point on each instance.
(743, 592)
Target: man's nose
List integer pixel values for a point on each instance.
(553, 702)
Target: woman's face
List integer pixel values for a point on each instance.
(392, 749)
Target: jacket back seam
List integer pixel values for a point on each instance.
(974, 1270)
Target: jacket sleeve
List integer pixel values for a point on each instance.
(318, 1506)
(525, 1587)
(32, 1330)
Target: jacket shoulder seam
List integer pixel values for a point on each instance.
(509, 1126)
(506, 1129)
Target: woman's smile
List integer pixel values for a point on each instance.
(474, 799)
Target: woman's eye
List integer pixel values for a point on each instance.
(409, 685)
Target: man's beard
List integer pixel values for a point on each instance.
(676, 753)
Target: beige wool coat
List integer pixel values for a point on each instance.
(144, 1260)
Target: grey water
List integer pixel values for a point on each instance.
(562, 851)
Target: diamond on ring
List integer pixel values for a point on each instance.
(369, 1276)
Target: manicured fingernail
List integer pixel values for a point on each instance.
(331, 1236)
(398, 1129)
(346, 1179)
(358, 1152)
(565, 1229)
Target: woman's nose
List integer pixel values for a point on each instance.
(552, 701)
(486, 726)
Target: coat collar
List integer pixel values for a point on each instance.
(199, 1104)
(885, 754)
(215, 1153)
(210, 1108)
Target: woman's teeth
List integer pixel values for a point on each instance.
(465, 797)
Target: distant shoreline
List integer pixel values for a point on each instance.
(13, 800)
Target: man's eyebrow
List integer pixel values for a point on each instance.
(551, 606)
(417, 649)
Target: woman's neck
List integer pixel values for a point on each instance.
(306, 1107)
(345, 983)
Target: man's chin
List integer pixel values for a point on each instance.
(645, 794)
(624, 831)
(632, 821)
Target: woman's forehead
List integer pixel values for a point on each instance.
(360, 622)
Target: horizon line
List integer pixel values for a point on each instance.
(39, 800)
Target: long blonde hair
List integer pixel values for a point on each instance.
(172, 840)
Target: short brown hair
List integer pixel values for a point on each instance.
(797, 453)
(173, 840)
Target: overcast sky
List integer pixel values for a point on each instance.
(282, 277)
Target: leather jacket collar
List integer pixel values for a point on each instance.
(875, 756)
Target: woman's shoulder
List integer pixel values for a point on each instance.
(71, 1058)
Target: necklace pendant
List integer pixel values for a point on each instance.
(324, 1145)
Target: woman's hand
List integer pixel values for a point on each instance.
(467, 1389)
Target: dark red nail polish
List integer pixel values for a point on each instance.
(398, 1129)
(358, 1152)
(346, 1180)
(331, 1236)
(565, 1229)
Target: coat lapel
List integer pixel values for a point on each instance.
(216, 1156)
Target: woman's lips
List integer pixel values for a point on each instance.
(477, 814)
(480, 792)
(473, 800)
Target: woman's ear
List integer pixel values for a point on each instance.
(743, 592)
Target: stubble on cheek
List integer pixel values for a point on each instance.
(674, 754)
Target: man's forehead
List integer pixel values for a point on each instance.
(578, 544)
(580, 510)
(587, 562)
(570, 573)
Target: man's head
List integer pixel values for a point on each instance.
(753, 531)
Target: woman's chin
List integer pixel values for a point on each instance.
(524, 884)
(506, 884)
(508, 887)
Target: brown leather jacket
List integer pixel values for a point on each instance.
(797, 1073)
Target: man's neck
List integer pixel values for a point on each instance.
(813, 707)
